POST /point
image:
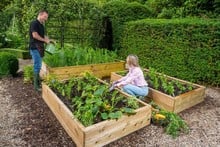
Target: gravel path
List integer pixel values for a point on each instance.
(9, 120)
(25, 120)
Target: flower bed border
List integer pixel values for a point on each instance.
(98, 134)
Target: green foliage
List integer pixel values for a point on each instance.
(24, 54)
(183, 48)
(173, 124)
(12, 37)
(171, 87)
(4, 4)
(91, 101)
(79, 56)
(202, 8)
(12, 40)
(184, 8)
(71, 22)
(163, 83)
(8, 64)
(120, 12)
(28, 74)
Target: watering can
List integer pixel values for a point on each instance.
(50, 48)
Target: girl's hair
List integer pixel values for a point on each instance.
(132, 60)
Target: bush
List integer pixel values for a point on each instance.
(19, 53)
(185, 48)
(121, 12)
(8, 64)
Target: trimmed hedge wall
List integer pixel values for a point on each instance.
(8, 64)
(185, 48)
(24, 54)
(121, 11)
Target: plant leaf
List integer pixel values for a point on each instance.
(104, 116)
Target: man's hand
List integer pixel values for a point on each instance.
(52, 41)
(46, 40)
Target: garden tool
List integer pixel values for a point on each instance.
(50, 48)
(113, 86)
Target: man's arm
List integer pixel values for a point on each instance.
(38, 37)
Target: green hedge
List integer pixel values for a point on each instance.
(185, 48)
(8, 64)
(19, 53)
(119, 12)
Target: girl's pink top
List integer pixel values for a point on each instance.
(135, 76)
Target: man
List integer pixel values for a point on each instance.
(37, 40)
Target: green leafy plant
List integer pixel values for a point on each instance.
(162, 83)
(28, 74)
(79, 56)
(154, 78)
(8, 64)
(167, 85)
(90, 99)
(172, 123)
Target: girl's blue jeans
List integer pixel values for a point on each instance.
(135, 90)
(37, 60)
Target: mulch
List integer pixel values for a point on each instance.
(39, 126)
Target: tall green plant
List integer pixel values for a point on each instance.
(79, 56)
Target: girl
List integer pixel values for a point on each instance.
(134, 82)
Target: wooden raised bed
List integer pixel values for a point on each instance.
(170, 103)
(99, 70)
(98, 134)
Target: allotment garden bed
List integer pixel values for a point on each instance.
(170, 93)
(91, 114)
(67, 63)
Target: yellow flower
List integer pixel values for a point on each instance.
(159, 116)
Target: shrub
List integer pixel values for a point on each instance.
(185, 48)
(8, 64)
(121, 12)
(19, 53)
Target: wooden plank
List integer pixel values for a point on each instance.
(98, 134)
(64, 115)
(116, 129)
(115, 76)
(189, 99)
(100, 70)
(163, 100)
(114, 66)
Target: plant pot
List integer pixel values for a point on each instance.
(99, 70)
(100, 133)
(173, 103)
